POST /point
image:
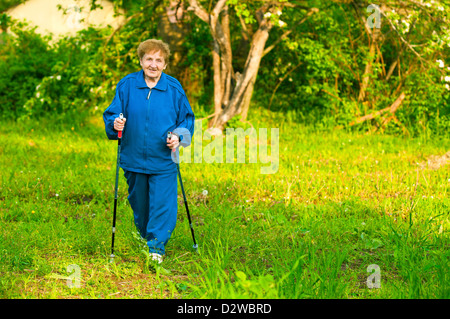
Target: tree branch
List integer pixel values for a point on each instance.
(281, 81)
(218, 8)
(408, 45)
(391, 109)
(286, 34)
(198, 10)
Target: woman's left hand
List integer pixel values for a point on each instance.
(173, 142)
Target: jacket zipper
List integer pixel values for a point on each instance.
(146, 124)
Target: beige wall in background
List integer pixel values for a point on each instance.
(49, 19)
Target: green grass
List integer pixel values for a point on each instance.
(338, 203)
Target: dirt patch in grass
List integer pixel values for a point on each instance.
(435, 162)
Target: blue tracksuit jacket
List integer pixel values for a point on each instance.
(150, 114)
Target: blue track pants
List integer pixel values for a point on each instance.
(153, 199)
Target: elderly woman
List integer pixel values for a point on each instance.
(152, 103)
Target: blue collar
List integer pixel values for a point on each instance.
(161, 85)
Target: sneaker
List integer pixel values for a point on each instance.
(156, 257)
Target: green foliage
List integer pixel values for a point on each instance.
(6, 4)
(196, 60)
(5, 20)
(25, 61)
(43, 80)
(318, 69)
(314, 71)
(242, 10)
(69, 79)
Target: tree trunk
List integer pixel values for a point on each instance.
(243, 110)
(172, 30)
(230, 101)
(227, 67)
(218, 90)
(240, 99)
(373, 36)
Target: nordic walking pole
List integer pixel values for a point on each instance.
(115, 192)
(195, 246)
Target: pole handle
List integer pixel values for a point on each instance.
(120, 132)
(169, 136)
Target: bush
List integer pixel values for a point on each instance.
(25, 60)
(76, 76)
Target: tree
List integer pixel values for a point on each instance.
(333, 63)
(398, 31)
(233, 90)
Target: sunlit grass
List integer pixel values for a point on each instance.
(338, 203)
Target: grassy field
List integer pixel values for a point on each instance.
(340, 204)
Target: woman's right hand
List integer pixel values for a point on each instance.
(119, 124)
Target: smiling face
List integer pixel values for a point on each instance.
(153, 64)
